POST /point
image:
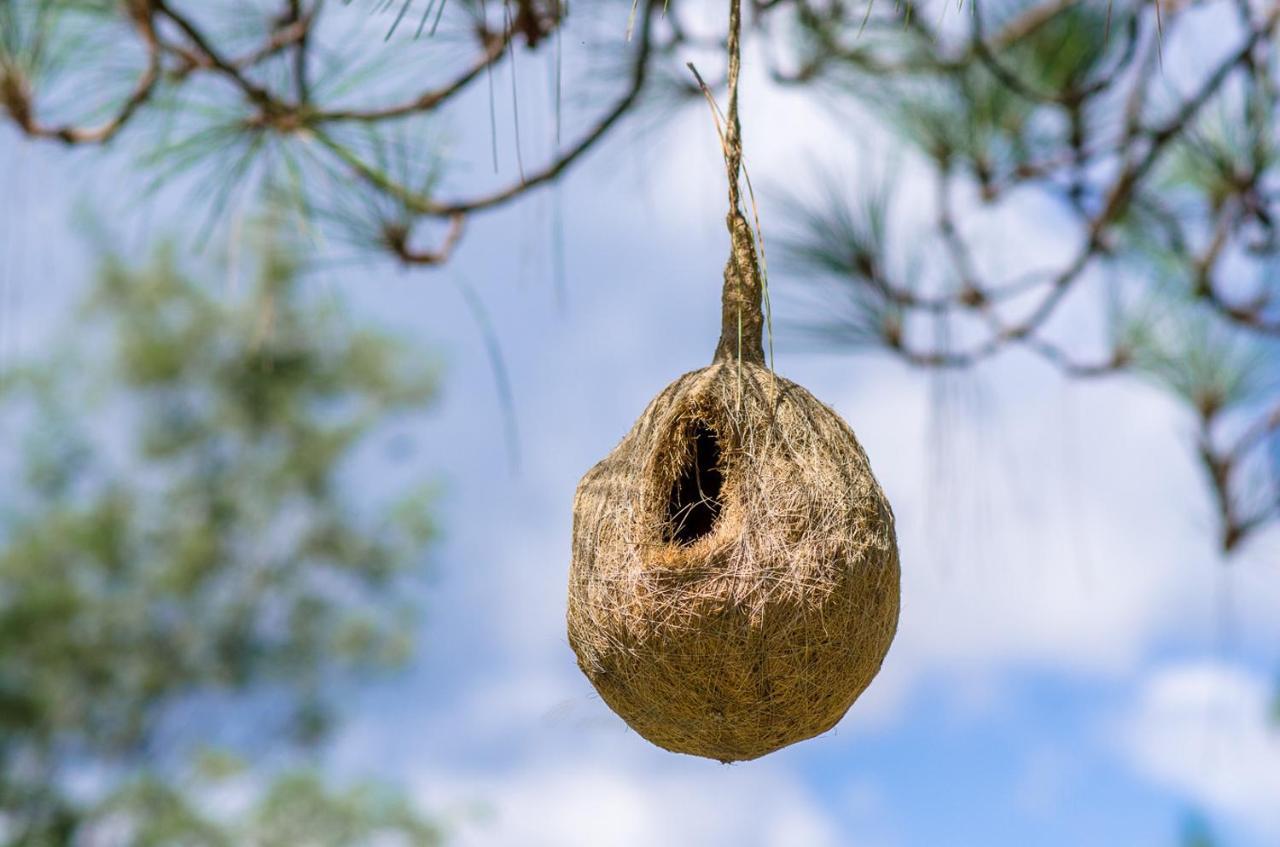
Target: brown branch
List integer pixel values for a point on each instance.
(397, 240)
(302, 48)
(19, 101)
(494, 47)
(1125, 184)
(1022, 27)
(1251, 315)
(423, 205)
(1117, 198)
(1265, 427)
(210, 57)
(1218, 470)
(1221, 466)
(624, 104)
(296, 32)
(1028, 22)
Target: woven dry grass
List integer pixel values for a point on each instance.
(734, 584)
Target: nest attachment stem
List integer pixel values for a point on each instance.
(741, 316)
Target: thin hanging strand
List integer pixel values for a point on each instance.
(736, 163)
(746, 264)
(733, 129)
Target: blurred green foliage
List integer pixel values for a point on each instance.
(295, 809)
(178, 545)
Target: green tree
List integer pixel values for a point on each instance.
(1164, 194)
(1167, 180)
(175, 548)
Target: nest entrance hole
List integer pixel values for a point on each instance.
(693, 507)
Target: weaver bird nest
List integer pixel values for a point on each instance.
(734, 584)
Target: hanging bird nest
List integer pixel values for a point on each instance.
(734, 584)
(735, 575)
(735, 579)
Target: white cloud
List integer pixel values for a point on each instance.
(1042, 525)
(1202, 730)
(607, 804)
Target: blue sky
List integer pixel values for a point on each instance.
(1060, 677)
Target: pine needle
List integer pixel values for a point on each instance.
(560, 9)
(1159, 35)
(404, 7)
(439, 14)
(493, 104)
(631, 19)
(870, 5)
(515, 89)
(426, 13)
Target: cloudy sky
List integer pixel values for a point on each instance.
(1075, 664)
